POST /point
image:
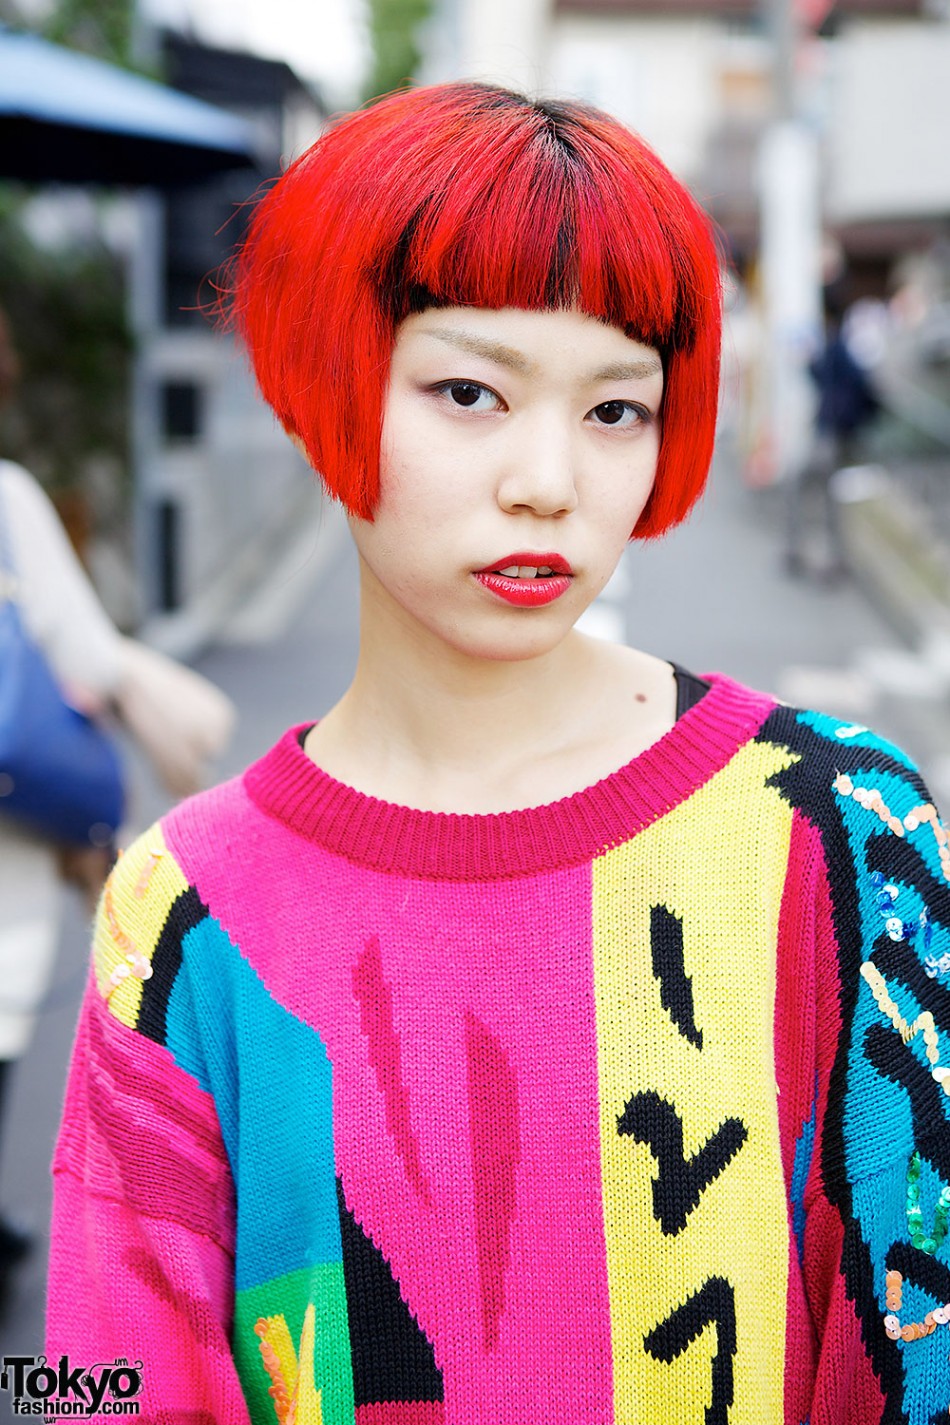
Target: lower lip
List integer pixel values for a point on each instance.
(526, 593)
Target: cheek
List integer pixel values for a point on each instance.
(403, 543)
(421, 484)
(634, 479)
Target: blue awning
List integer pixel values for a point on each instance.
(68, 117)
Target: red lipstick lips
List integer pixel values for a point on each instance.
(516, 579)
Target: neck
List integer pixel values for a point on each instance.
(423, 703)
(428, 725)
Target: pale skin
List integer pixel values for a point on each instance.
(504, 431)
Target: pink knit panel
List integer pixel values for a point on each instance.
(460, 1022)
(795, 1073)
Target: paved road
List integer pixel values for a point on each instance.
(710, 596)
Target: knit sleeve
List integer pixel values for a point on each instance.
(876, 1202)
(141, 1264)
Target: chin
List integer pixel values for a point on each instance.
(513, 645)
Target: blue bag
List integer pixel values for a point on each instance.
(60, 773)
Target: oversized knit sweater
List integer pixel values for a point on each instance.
(629, 1108)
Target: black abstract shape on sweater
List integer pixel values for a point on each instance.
(920, 1270)
(897, 961)
(393, 1359)
(676, 989)
(900, 861)
(929, 1276)
(897, 1061)
(186, 911)
(681, 1181)
(714, 1302)
(808, 785)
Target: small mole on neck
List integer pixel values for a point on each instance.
(641, 697)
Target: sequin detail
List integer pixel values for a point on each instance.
(147, 871)
(924, 1023)
(912, 1330)
(280, 1361)
(135, 962)
(935, 968)
(923, 1241)
(296, 1399)
(887, 894)
(927, 812)
(870, 798)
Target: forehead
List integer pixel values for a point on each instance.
(529, 342)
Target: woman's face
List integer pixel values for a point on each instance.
(514, 443)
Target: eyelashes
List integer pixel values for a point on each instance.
(467, 395)
(616, 411)
(472, 396)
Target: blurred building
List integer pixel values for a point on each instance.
(793, 121)
(696, 79)
(215, 474)
(887, 170)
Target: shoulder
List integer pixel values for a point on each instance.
(886, 851)
(23, 495)
(817, 746)
(152, 892)
(159, 950)
(826, 749)
(202, 856)
(15, 479)
(862, 791)
(147, 898)
(851, 784)
(24, 504)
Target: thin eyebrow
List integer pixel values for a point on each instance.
(629, 370)
(507, 356)
(481, 346)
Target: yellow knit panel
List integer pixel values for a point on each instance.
(132, 912)
(718, 863)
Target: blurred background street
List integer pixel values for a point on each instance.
(818, 565)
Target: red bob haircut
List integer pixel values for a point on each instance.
(470, 195)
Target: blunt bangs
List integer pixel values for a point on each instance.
(469, 195)
(536, 230)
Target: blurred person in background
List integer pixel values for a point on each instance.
(177, 717)
(543, 1005)
(846, 405)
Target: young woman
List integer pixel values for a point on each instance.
(545, 1033)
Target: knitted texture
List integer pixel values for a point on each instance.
(604, 1111)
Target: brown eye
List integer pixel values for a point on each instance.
(465, 393)
(620, 413)
(469, 395)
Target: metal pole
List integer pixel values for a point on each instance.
(790, 235)
(782, 31)
(144, 297)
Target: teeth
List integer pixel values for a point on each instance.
(524, 571)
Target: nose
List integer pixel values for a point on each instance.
(539, 469)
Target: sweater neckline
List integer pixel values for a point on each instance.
(288, 786)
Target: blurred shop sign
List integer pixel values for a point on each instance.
(889, 122)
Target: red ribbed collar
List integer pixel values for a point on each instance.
(287, 785)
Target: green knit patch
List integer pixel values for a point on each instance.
(289, 1296)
